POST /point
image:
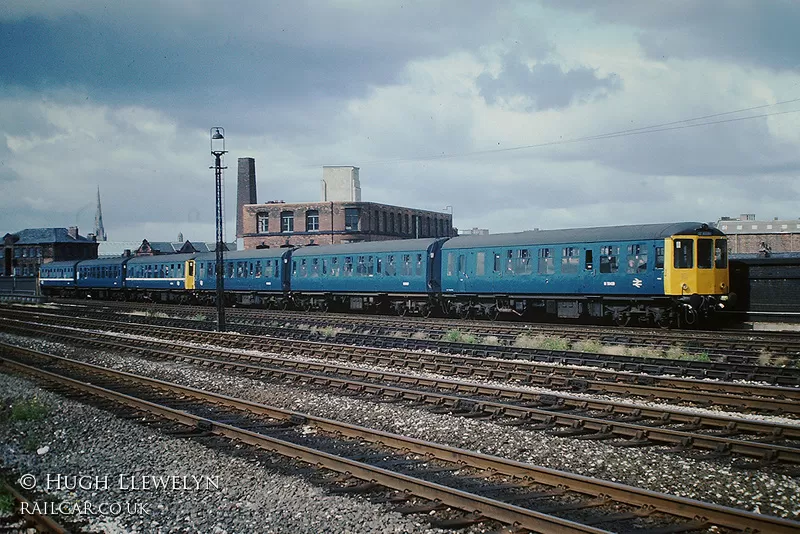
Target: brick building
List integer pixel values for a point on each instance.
(321, 223)
(25, 251)
(746, 235)
(340, 217)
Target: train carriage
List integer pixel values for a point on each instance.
(402, 275)
(252, 277)
(647, 271)
(163, 278)
(57, 277)
(102, 278)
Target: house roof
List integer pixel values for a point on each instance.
(36, 236)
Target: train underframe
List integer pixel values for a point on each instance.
(685, 312)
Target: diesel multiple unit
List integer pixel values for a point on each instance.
(657, 273)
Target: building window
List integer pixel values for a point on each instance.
(287, 221)
(351, 216)
(312, 221)
(262, 223)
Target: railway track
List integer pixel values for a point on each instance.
(716, 370)
(582, 417)
(484, 487)
(743, 344)
(28, 518)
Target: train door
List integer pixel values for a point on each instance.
(461, 272)
(589, 275)
(190, 274)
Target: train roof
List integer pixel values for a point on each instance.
(117, 260)
(609, 234)
(60, 264)
(162, 258)
(369, 247)
(248, 254)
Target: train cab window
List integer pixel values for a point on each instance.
(637, 259)
(451, 263)
(721, 254)
(587, 262)
(348, 266)
(684, 254)
(546, 263)
(659, 257)
(705, 253)
(419, 264)
(480, 264)
(609, 259)
(570, 260)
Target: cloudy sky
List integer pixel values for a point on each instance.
(520, 115)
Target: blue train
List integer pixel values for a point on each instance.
(655, 273)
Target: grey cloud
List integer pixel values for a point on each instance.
(753, 32)
(546, 85)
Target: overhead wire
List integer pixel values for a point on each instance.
(662, 127)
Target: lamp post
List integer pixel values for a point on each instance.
(217, 150)
(450, 229)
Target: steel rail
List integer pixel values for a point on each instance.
(527, 407)
(668, 504)
(775, 399)
(41, 522)
(743, 341)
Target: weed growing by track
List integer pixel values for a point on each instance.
(27, 410)
(6, 503)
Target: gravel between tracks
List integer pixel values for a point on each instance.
(713, 481)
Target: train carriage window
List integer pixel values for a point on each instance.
(637, 258)
(294, 268)
(510, 261)
(303, 268)
(257, 269)
(721, 254)
(609, 259)
(348, 266)
(379, 266)
(480, 264)
(546, 263)
(524, 262)
(419, 264)
(588, 263)
(705, 253)
(231, 271)
(201, 273)
(252, 269)
(462, 264)
(361, 267)
(315, 268)
(391, 269)
(684, 258)
(451, 263)
(241, 269)
(210, 270)
(659, 257)
(324, 266)
(496, 264)
(370, 265)
(406, 265)
(570, 260)
(334, 266)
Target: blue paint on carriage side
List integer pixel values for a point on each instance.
(617, 260)
(102, 273)
(57, 274)
(392, 267)
(165, 272)
(256, 270)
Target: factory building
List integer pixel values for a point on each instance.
(339, 217)
(746, 235)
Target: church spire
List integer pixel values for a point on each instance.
(99, 231)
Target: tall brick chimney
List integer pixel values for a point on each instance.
(245, 191)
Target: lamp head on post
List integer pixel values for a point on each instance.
(218, 140)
